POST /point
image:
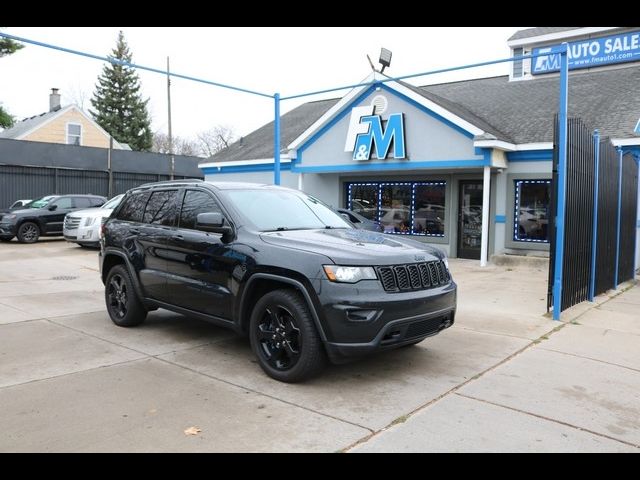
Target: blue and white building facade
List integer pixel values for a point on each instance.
(463, 165)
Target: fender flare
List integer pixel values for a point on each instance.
(130, 269)
(298, 285)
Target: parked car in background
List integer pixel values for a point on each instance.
(43, 217)
(359, 221)
(83, 226)
(19, 203)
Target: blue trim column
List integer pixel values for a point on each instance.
(276, 140)
(615, 279)
(594, 230)
(562, 181)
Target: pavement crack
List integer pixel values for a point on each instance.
(543, 417)
(407, 416)
(258, 392)
(591, 359)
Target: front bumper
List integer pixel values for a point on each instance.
(88, 235)
(8, 229)
(361, 318)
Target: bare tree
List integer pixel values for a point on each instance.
(215, 139)
(77, 95)
(181, 146)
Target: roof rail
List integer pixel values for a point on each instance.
(173, 182)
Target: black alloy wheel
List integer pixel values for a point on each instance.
(279, 337)
(117, 296)
(284, 337)
(123, 304)
(28, 233)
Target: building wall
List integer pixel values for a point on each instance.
(55, 131)
(427, 138)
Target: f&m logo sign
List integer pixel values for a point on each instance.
(366, 132)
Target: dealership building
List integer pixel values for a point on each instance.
(436, 162)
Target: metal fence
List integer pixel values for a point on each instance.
(600, 216)
(31, 170)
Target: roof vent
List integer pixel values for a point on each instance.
(380, 104)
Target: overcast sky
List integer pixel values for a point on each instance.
(286, 60)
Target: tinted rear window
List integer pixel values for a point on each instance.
(133, 207)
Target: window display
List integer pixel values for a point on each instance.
(531, 220)
(406, 208)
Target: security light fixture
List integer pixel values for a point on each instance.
(385, 58)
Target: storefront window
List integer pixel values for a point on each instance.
(531, 221)
(405, 208)
(429, 212)
(363, 199)
(395, 207)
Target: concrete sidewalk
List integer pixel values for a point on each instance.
(503, 378)
(576, 389)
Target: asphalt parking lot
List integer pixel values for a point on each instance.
(503, 378)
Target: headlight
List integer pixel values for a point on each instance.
(90, 221)
(10, 216)
(338, 273)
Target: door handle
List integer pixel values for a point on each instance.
(177, 237)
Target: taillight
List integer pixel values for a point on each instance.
(102, 227)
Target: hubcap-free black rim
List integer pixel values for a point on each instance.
(30, 233)
(279, 337)
(117, 294)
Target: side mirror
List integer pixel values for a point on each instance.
(345, 216)
(53, 207)
(212, 222)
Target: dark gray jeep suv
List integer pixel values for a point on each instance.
(275, 264)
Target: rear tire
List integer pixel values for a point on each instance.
(284, 337)
(123, 304)
(28, 232)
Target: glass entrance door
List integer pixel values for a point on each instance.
(470, 219)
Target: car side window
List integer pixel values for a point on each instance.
(133, 207)
(64, 202)
(82, 202)
(196, 202)
(96, 201)
(161, 208)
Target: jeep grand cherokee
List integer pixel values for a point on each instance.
(276, 264)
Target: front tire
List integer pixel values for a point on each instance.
(123, 304)
(28, 232)
(284, 337)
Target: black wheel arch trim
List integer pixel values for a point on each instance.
(295, 283)
(130, 269)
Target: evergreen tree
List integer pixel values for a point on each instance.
(7, 47)
(119, 107)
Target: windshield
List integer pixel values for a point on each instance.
(113, 203)
(42, 202)
(273, 210)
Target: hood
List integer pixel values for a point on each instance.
(91, 212)
(354, 246)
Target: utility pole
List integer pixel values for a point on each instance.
(173, 162)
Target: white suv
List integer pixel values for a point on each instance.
(83, 226)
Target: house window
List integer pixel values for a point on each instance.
(531, 220)
(405, 208)
(517, 64)
(74, 134)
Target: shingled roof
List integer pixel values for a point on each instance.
(537, 31)
(516, 112)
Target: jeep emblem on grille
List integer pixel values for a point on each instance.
(420, 258)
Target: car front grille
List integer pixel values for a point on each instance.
(71, 223)
(415, 276)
